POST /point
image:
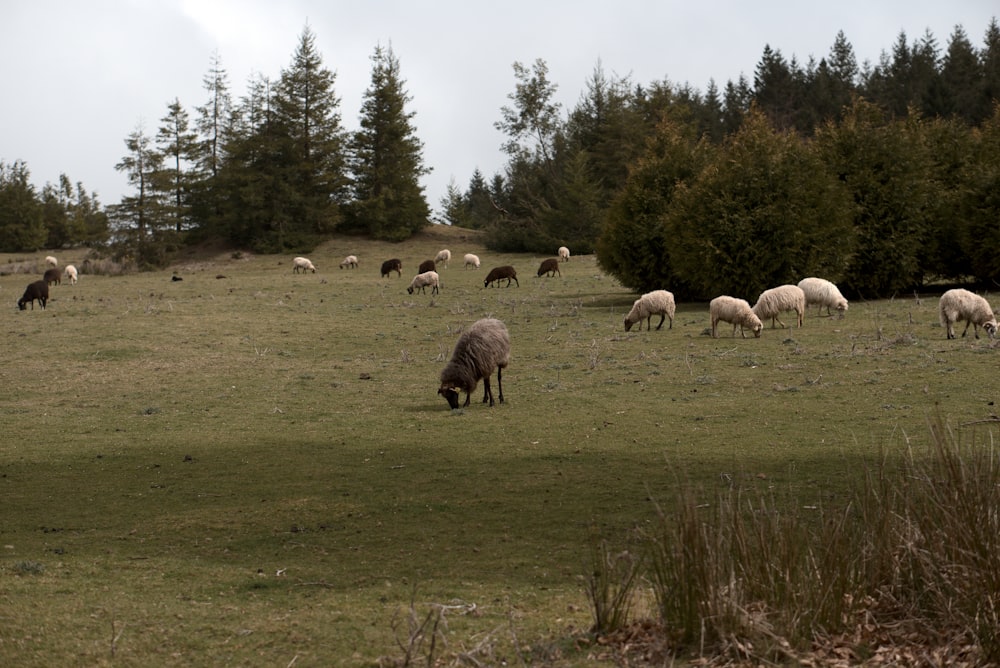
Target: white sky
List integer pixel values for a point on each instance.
(78, 77)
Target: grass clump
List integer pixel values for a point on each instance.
(911, 565)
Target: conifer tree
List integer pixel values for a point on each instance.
(311, 160)
(387, 160)
(179, 146)
(142, 215)
(22, 227)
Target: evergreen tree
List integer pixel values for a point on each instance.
(990, 61)
(179, 147)
(634, 245)
(57, 201)
(763, 212)
(387, 161)
(980, 206)
(454, 208)
(22, 227)
(311, 162)
(142, 216)
(884, 166)
(208, 196)
(735, 104)
(481, 212)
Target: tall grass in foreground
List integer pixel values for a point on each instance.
(914, 555)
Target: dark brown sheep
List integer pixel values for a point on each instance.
(550, 267)
(426, 265)
(53, 275)
(38, 290)
(497, 274)
(393, 265)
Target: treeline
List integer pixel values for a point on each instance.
(60, 215)
(881, 177)
(275, 170)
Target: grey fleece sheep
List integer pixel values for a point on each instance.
(657, 302)
(481, 348)
(422, 280)
(959, 304)
(782, 298)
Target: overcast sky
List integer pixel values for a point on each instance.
(78, 77)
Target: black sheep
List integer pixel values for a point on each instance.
(393, 265)
(38, 290)
(497, 274)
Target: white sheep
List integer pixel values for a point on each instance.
(824, 293)
(782, 298)
(959, 304)
(51, 261)
(303, 264)
(471, 261)
(421, 281)
(657, 302)
(443, 256)
(735, 311)
(481, 348)
(351, 262)
(563, 254)
(70, 273)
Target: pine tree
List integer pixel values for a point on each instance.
(22, 227)
(142, 215)
(311, 163)
(208, 196)
(961, 77)
(387, 160)
(179, 145)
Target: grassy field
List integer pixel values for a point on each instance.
(252, 467)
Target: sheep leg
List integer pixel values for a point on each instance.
(500, 382)
(967, 323)
(663, 316)
(487, 392)
(778, 320)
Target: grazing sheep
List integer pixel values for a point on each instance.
(393, 265)
(550, 267)
(471, 260)
(51, 261)
(736, 311)
(497, 274)
(823, 292)
(657, 302)
(484, 346)
(426, 265)
(350, 262)
(782, 298)
(563, 254)
(52, 275)
(422, 280)
(38, 290)
(303, 264)
(959, 304)
(71, 274)
(443, 256)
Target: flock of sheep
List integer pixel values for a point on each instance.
(484, 347)
(39, 290)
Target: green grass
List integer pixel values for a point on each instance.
(256, 469)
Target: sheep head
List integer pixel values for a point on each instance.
(451, 394)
